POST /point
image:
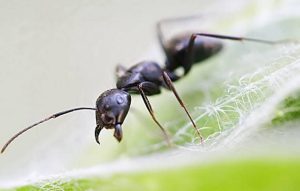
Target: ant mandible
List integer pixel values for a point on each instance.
(147, 77)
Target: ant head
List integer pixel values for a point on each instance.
(111, 109)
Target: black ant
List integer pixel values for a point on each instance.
(147, 77)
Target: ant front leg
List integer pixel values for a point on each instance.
(143, 86)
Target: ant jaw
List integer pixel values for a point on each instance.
(118, 134)
(97, 132)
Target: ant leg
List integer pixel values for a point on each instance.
(42, 121)
(148, 105)
(227, 37)
(169, 83)
(160, 35)
(169, 20)
(188, 62)
(162, 40)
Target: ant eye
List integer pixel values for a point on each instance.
(120, 100)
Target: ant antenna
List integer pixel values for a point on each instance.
(42, 121)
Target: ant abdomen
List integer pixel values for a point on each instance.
(179, 54)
